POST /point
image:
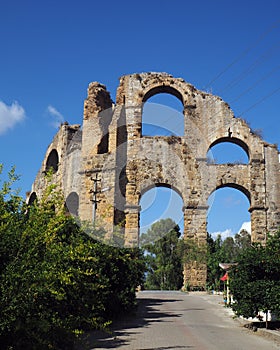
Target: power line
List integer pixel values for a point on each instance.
(249, 108)
(247, 71)
(255, 84)
(261, 100)
(256, 63)
(244, 53)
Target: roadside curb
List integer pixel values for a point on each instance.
(271, 334)
(267, 333)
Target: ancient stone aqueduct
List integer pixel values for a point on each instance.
(106, 166)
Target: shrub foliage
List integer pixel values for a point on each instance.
(56, 281)
(255, 280)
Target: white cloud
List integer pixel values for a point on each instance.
(57, 116)
(246, 226)
(224, 234)
(229, 233)
(10, 116)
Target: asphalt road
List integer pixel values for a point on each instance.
(175, 320)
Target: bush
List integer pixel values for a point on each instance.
(255, 280)
(56, 281)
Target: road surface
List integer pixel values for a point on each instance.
(176, 320)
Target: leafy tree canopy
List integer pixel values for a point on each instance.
(163, 256)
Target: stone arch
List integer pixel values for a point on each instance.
(179, 161)
(236, 186)
(160, 171)
(32, 198)
(162, 89)
(148, 187)
(233, 140)
(167, 119)
(72, 203)
(236, 212)
(241, 188)
(52, 161)
(173, 196)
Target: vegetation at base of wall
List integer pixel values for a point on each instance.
(194, 252)
(161, 244)
(166, 253)
(255, 282)
(55, 280)
(223, 251)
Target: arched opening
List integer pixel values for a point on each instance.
(52, 161)
(160, 236)
(229, 230)
(103, 144)
(160, 202)
(228, 150)
(162, 113)
(32, 198)
(104, 119)
(72, 204)
(228, 210)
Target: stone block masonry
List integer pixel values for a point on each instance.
(106, 166)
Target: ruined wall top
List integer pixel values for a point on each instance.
(98, 99)
(112, 144)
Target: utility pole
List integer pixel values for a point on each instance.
(94, 197)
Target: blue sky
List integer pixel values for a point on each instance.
(52, 50)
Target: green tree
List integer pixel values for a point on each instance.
(213, 260)
(242, 239)
(12, 214)
(223, 251)
(163, 256)
(229, 252)
(56, 281)
(255, 280)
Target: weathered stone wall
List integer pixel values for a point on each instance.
(110, 164)
(67, 143)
